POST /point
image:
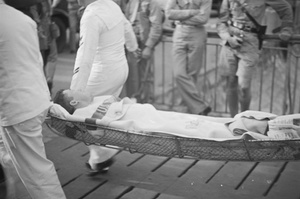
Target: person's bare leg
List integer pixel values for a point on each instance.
(232, 95)
(245, 98)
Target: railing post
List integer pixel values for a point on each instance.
(296, 48)
(292, 54)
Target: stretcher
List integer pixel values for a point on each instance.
(167, 145)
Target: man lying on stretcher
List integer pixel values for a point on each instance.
(125, 114)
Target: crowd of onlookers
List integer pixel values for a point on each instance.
(240, 26)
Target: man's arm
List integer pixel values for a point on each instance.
(285, 12)
(151, 20)
(156, 18)
(222, 26)
(175, 14)
(203, 14)
(90, 29)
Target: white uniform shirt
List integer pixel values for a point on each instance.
(23, 89)
(101, 66)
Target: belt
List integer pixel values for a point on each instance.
(188, 25)
(251, 30)
(243, 27)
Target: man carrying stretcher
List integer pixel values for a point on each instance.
(124, 114)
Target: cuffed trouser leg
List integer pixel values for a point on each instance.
(112, 86)
(24, 143)
(188, 48)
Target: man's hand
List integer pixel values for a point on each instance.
(147, 53)
(285, 35)
(137, 53)
(234, 42)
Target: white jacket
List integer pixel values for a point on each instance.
(101, 66)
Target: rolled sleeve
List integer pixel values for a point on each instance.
(284, 11)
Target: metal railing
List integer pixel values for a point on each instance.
(274, 85)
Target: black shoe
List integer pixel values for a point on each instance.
(102, 167)
(205, 111)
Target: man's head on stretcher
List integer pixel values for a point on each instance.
(72, 100)
(268, 124)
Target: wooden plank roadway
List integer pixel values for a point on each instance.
(138, 176)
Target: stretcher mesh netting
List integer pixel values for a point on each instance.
(180, 147)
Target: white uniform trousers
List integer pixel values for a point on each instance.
(24, 144)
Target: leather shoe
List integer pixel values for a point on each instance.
(102, 167)
(205, 111)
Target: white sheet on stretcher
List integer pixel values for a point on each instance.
(144, 118)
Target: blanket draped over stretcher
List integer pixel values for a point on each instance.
(244, 137)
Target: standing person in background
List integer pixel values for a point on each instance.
(24, 103)
(150, 26)
(40, 11)
(189, 42)
(41, 14)
(239, 28)
(52, 56)
(101, 66)
(151, 18)
(130, 10)
(73, 8)
(43, 19)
